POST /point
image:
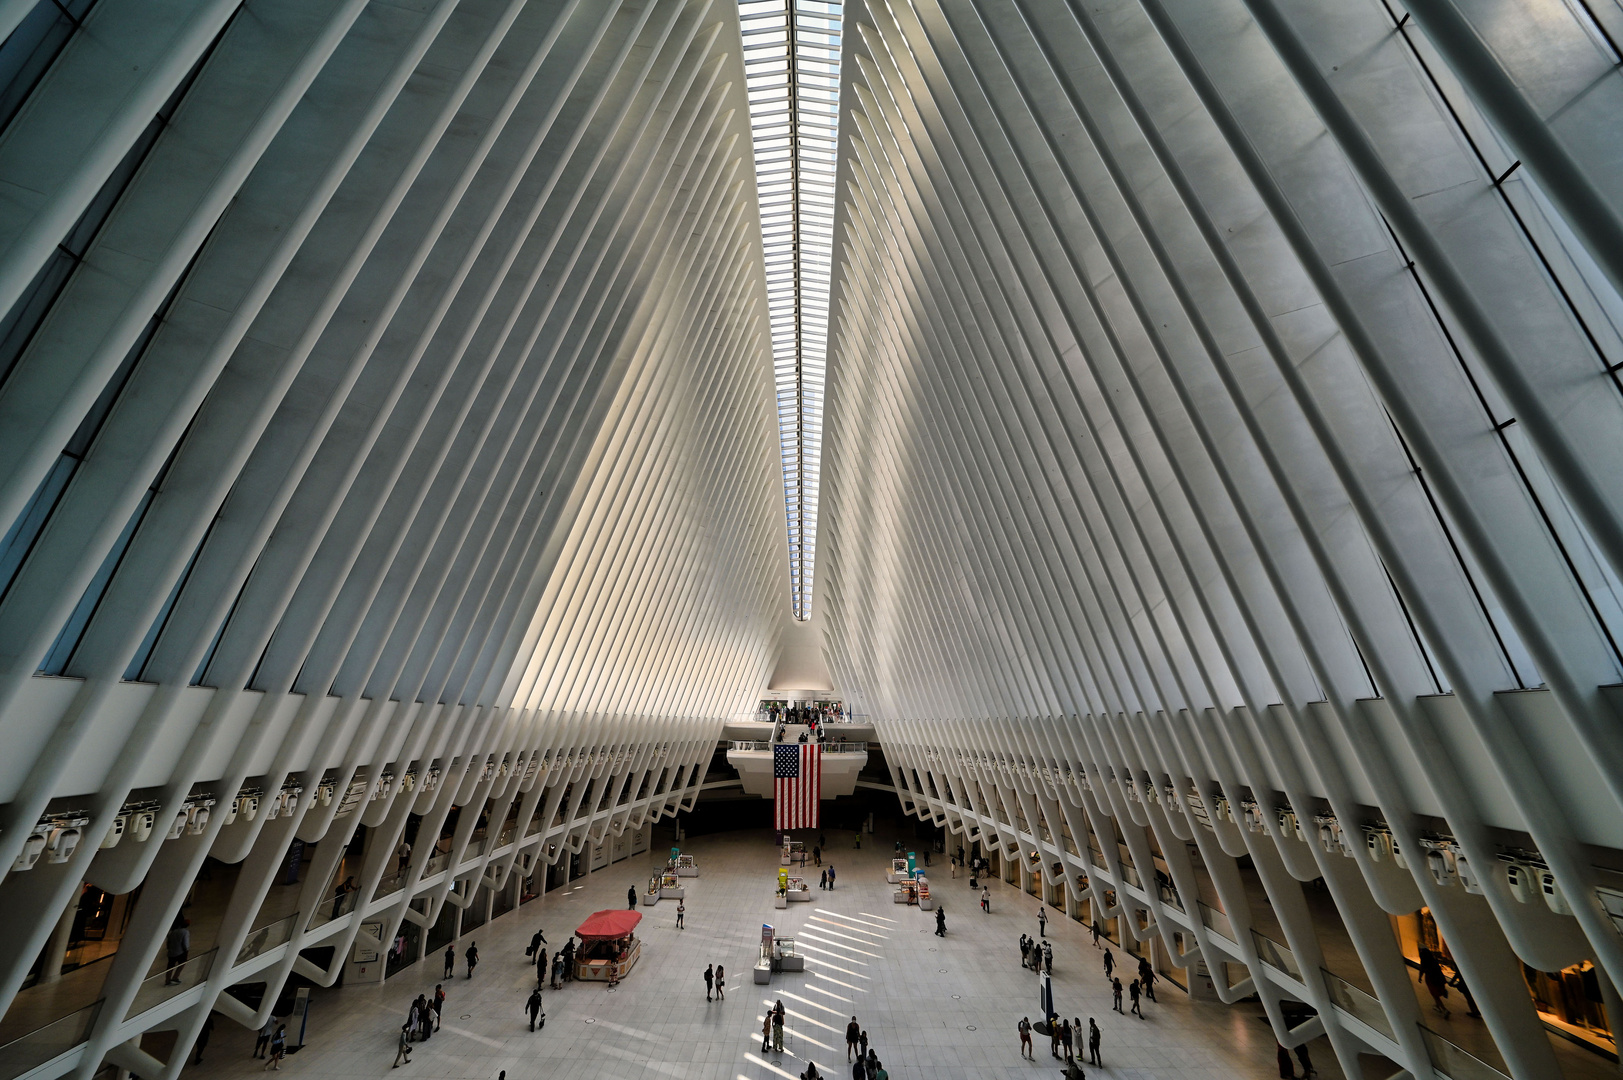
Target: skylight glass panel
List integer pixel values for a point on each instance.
(792, 64)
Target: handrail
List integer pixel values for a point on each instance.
(1216, 921)
(1357, 1003)
(1449, 1060)
(828, 747)
(27, 1052)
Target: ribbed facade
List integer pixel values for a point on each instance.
(392, 431)
(1223, 459)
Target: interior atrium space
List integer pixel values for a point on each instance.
(893, 502)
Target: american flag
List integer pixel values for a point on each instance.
(797, 785)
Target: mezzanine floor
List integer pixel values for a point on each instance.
(934, 1009)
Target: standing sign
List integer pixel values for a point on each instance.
(1045, 995)
(912, 863)
(301, 1009)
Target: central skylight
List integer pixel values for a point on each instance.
(792, 61)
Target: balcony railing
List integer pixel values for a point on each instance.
(1216, 921)
(1451, 1061)
(28, 1052)
(156, 989)
(828, 747)
(1276, 956)
(266, 937)
(336, 908)
(1358, 1004)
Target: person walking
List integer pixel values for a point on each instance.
(176, 947)
(940, 921)
(1133, 992)
(450, 959)
(1287, 1071)
(402, 855)
(203, 1037)
(817, 855)
(831, 877)
(402, 1051)
(278, 1048)
(262, 1040)
(472, 956)
(533, 1006)
(852, 1030)
(1025, 951)
(536, 942)
(631, 898)
(1110, 964)
(1024, 1028)
(681, 910)
(709, 980)
(1095, 929)
(1436, 983)
(986, 899)
(721, 983)
(1307, 1062)
(777, 1028)
(1115, 993)
(1042, 922)
(1146, 978)
(439, 1005)
(1093, 1044)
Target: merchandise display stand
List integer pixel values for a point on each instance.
(686, 867)
(650, 895)
(899, 872)
(670, 886)
(925, 900)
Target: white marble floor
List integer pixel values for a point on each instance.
(943, 1009)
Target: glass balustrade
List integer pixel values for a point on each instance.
(156, 989)
(1216, 921)
(266, 937)
(1276, 956)
(1454, 1063)
(28, 1052)
(336, 908)
(1357, 1003)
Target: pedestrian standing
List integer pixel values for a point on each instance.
(709, 979)
(533, 1006)
(1024, 1028)
(262, 1041)
(472, 956)
(1287, 1071)
(817, 855)
(822, 880)
(1053, 1035)
(862, 1044)
(1066, 1037)
(414, 1020)
(721, 983)
(558, 971)
(1095, 929)
(278, 1048)
(831, 876)
(1042, 922)
(1133, 992)
(402, 1051)
(766, 1031)
(631, 898)
(940, 922)
(1048, 956)
(439, 1005)
(954, 862)
(402, 856)
(1147, 977)
(1025, 951)
(203, 1037)
(777, 1028)
(450, 959)
(1110, 964)
(681, 910)
(986, 899)
(541, 968)
(1115, 992)
(852, 1030)
(1093, 1044)
(1307, 1062)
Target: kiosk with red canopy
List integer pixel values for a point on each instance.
(609, 945)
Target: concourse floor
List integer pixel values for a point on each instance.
(935, 1009)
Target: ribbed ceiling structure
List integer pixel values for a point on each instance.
(1221, 449)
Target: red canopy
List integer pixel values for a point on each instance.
(601, 925)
